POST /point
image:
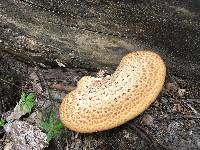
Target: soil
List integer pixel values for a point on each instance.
(171, 122)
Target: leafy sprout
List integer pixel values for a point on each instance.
(27, 101)
(52, 127)
(2, 122)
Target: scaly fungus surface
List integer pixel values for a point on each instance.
(99, 104)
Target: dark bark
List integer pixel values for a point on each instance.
(96, 34)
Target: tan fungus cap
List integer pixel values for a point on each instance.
(99, 104)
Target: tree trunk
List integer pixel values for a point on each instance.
(96, 34)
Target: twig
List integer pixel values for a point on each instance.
(141, 132)
(58, 145)
(187, 116)
(193, 100)
(178, 116)
(189, 106)
(153, 143)
(45, 86)
(67, 146)
(41, 76)
(76, 135)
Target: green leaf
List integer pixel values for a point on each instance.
(45, 126)
(52, 127)
(27, 102)
(2, 122)
(52, 118)
(57, 127)
(49, 136)
(23, 96)
(31, 96)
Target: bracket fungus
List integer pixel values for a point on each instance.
(99, 104)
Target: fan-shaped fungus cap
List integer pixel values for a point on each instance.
(99, 104)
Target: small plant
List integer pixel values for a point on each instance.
(52, 127)
(2, 122)
(27, 101)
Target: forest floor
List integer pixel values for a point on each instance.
(171, 122)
